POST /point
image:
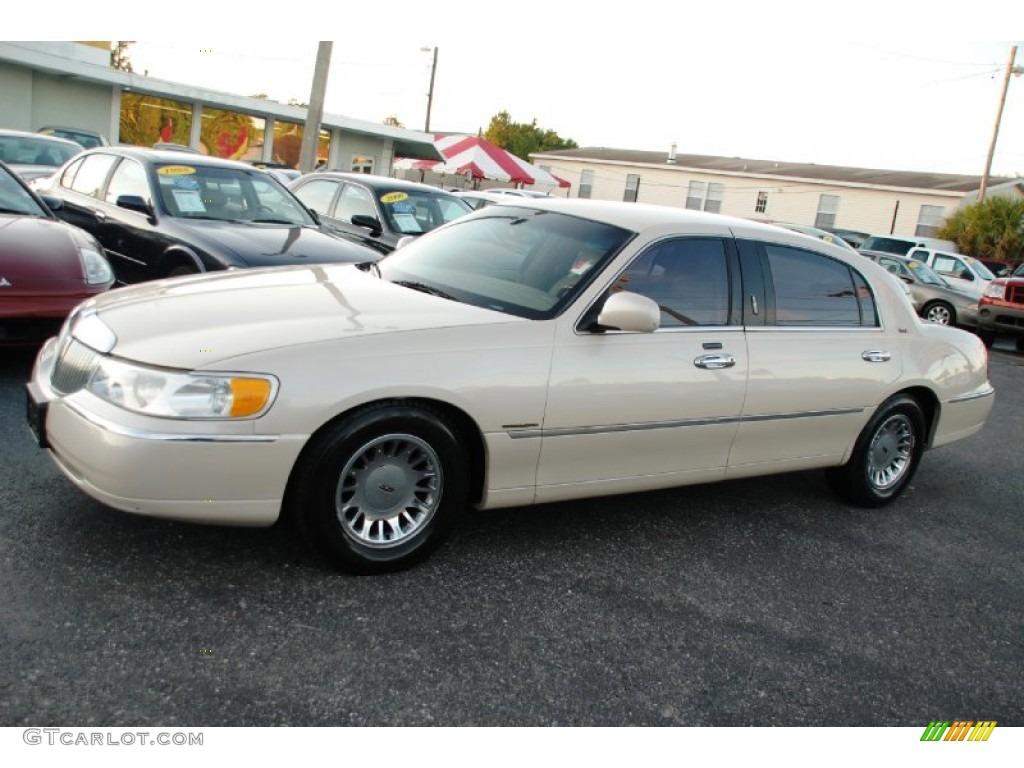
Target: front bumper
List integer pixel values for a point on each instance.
(200, 471)
(1002, 317)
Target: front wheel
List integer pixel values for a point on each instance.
(381, 490)
(939, 312)
(885, 456)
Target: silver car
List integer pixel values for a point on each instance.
(933, 298)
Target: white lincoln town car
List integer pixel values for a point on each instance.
(531, 352)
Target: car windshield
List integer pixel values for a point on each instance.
(983, 271)
(926, 274)
(516, 260)
(227, 194)
(31, 150)
(413, 212)
(14, 199)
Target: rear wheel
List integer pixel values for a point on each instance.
(381, 490)
(182, 269)
(939, 312)
(885, 456)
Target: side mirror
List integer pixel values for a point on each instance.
(370, 222)
(967, 275)
(53, 203)
(134, 203)
(626, 311)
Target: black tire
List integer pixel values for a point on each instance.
(988, 337)
(1020, 343)
(181, 270)
(381, 490)
(940, 312)
(885, 456)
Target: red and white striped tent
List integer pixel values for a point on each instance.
(477, 158)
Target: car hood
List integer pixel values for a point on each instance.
(37, 252)
(193, 322)
(265, 245)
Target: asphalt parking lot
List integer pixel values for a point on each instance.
(759, 602)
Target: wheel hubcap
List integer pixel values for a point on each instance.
(890, 453)
(388, 490)
(939, 315)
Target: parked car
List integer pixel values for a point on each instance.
(527, 353)
(517, 192)
(933, 298)
(852, 236)
(962, 272)
(33, 155)
(283, 173)
(1001, 310)
(46, 266)
(88, 139)
(903, 245)
(821, 234)
(376, 211)
(166, 214)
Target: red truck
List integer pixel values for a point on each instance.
(1001, 309)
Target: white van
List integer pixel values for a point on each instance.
(965, 273)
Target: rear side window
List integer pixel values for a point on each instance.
(814, 290)
(90, 177)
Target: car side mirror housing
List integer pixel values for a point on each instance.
(134, 203)
(370, 222)
(627, 311)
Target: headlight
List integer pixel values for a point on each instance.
(180, 395)
(996, 291)
(97, 268)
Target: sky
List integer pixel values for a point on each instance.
(901, 86)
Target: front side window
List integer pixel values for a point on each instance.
(128, 179)
(828, 208)
(688, 278)
(814, 290)
(14, 198)
(318, 194)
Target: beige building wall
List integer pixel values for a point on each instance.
(868, 208)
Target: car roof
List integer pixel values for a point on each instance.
(376, 182)
(40, 137)
(146, 154)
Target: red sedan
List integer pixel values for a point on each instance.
(46, 265)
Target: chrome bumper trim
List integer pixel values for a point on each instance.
(143, 434)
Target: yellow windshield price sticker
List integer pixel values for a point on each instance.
(394, 197)
(175, 170)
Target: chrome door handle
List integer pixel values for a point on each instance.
(876, 356)
(714, 362)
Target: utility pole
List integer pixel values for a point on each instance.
(430, 93)
(1010, 70)
(315, 111)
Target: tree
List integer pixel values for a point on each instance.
(523, 139)
(119, 55)
(993, 229)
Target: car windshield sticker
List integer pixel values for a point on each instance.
(913, 265)
(407, 223)
(394, 197)
(403, 208)
(175, 170)
(188, 201)
(183, 182)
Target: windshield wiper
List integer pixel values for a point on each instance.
(274, 221)
(424, 288)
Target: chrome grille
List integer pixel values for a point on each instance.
(75, 364)
(1015, 294)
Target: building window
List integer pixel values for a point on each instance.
(632, 187)
(695, 195)
(761, 206)
(929, 221)
(701, 196)
(713, 203)
(586, 183)
(362, 164)
(828, 207)
(233, 135)
(146, 120)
